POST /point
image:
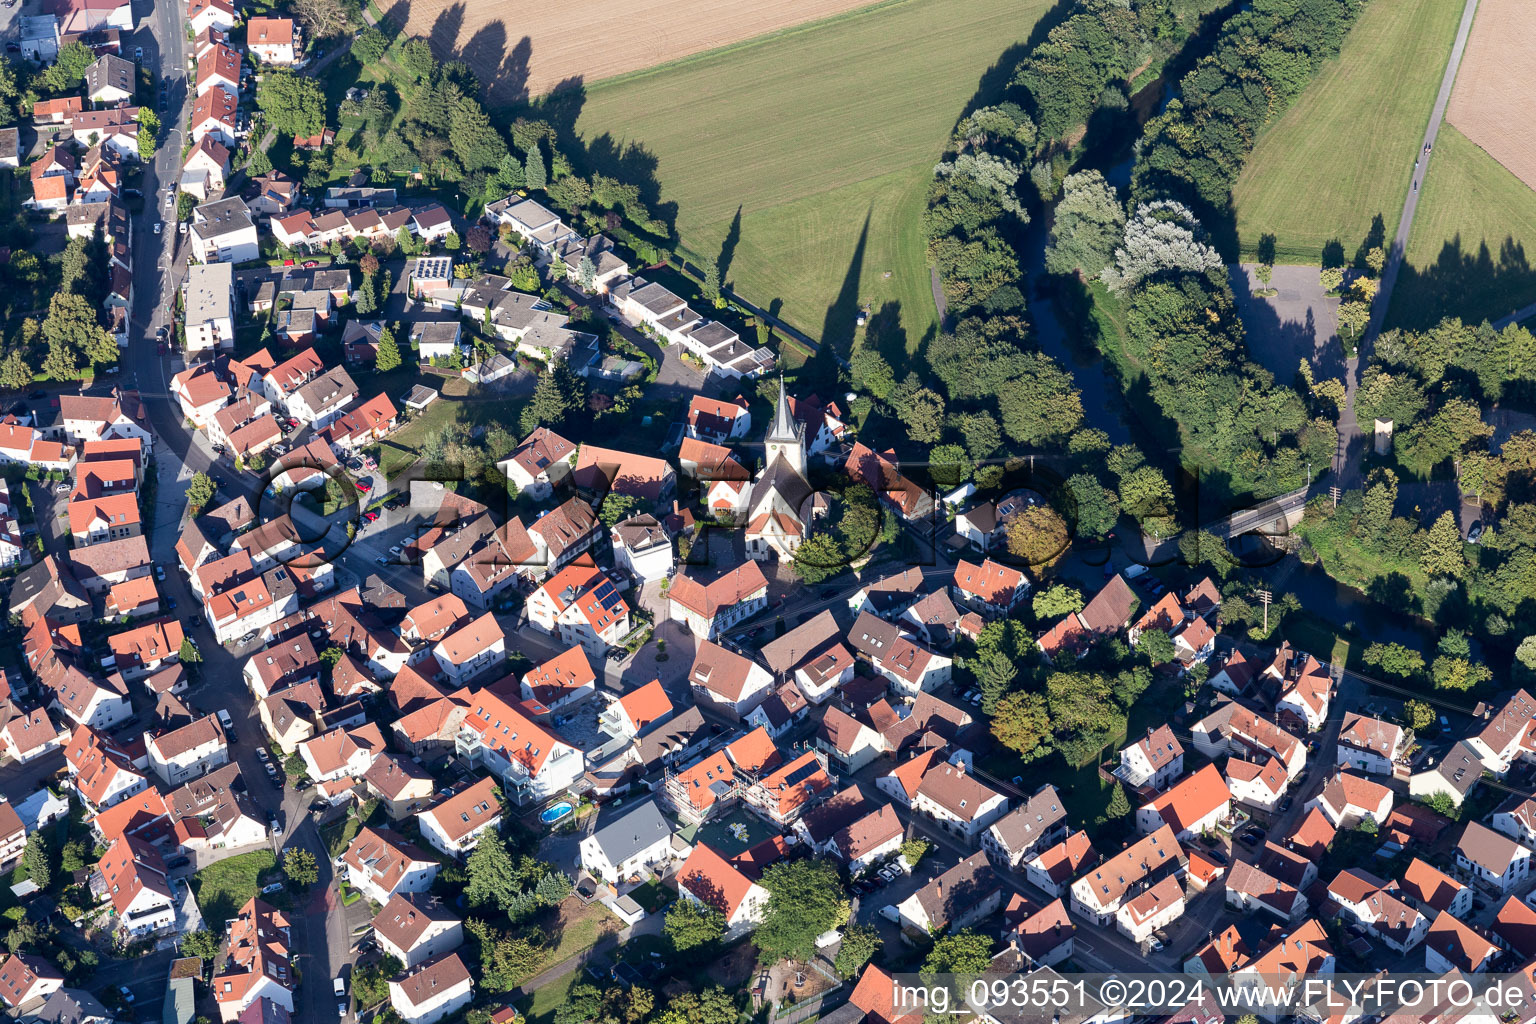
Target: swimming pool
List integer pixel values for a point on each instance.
(550, 815)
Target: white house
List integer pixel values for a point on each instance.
(1027, 829)
(208, 296)
(455, 823)
(436, 989)
(30, 736)
(710, 880)
(1099, 894)
(141, 894)
(1153, 761)
(723, 678)
(416, 928)
(1259, 783)
(381, 864)
(707, 608)
(630, 845)
(1348, 798)
(1368, 744)
(223, 231)
(471, 649)
(1489, 857)
(562, 681)
(1190, 807)
(1501, 740)
(957, 801)
(532, 763)
(185, 753)
(642, 548)
(543, 459)
(961, 896)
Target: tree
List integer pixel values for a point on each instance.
(1056, 601)
(1525, 654)
(505, 960)
(1162, 236)
(324, 18)
(1201, 547)
(914, 850)
(293, 104)
(1145, 494)
(921, 409)
(1376, 258)
(533, 169)
(61, 362)
(68, 68)
(203, 944)
(948, 465)
(872, 372)
(965, 952)
(300, 867)
(553, 888)
(295, 765)
(370, 44)
(75, 856)
(1156, 646)
(1419, 715)
(711, 286)
(479, 239)
(1394, 660)
(1022, 723)
(36, 860)
(416, 57)
(817, 558)
(995, 674)
(388, 357)
(1038, 535)
(1119, 806)
(1083, 713)
(617, 507)
(15, 374)
(860, 944)
(489, 870)
(149, 134)
(200, 491)
(1444, 554)
(189, 654)
(1353, 316)
(1095, 507)
(1090, 222)
(712, 1006)
(72, 321)
(805, 900)
(691, 925)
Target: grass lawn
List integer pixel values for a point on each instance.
(1343, 154)
(414, 434)
(652, 896)
(1318, 637)
(541, 1006)
(224, 887)
(823, 138)
(718, 834)
(1467, 255)
(576, 929)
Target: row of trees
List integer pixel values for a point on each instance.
(1263, 58)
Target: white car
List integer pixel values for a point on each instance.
(170, 199)
(158, 226)
(182, 227)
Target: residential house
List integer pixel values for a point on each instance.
(532, 763)
(961, 896)
(957, 801)
(26, 980)
(1153, 761)
(222, 231)
(1017, 836)
(142, 898)
(1369, 745)
(214, 117)
(382, 864)
(208, 296)
(258, 961)
(1347, 799)
(472, 649)
(542, 460)
(402, 786)
(436, 989)
(708, 879)
(414, 928)
(1100, 894)
(274, 40)
(582, 606)
(708, 608)
(1192, 806)
(643, 548)
(722, 678)
(188, 751)
(991, 588)
(1053, 868)
(630, 845)
(455, 823)
(1488, 856)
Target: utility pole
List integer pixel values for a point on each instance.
(1264, 597)
(1333, 492)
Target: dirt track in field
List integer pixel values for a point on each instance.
(522, 48)
(1496, 86)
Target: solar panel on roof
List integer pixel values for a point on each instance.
(802, 773)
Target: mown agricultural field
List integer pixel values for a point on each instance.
(1344, 153)
(1472, 242)
(811, 133)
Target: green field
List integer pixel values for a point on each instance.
(225, 886)
(1467, 256)
(1343, 154)
(813, 134)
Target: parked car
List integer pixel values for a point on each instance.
(267, 890)
(371, 516)
(225, 720)
(170, 603)
(277, 827)
(158, 226)
(363, 487)
(160, 572)
(178, 862)
(126, 993)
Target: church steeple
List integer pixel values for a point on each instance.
(786, 438)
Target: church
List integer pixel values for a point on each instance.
(782, 506)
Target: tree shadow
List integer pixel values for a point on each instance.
(1471, 285)
(395, 19)
(444, 35)
(728, 248)
(838, 326)
(1375, 238)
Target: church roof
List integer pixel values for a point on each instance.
(785, 426)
